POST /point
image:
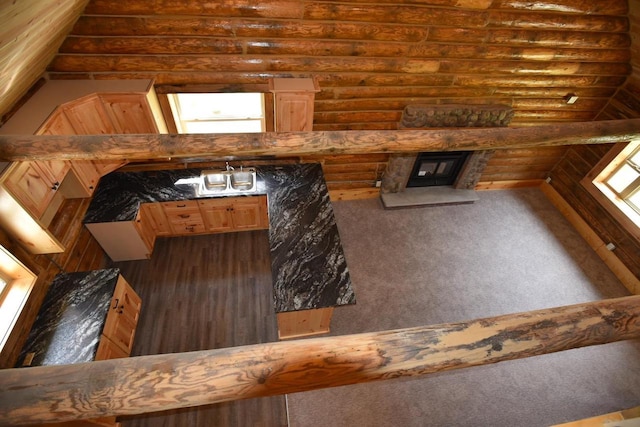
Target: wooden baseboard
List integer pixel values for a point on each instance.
(503, 185)
(354, 194)
(628, 279)
(606, 420)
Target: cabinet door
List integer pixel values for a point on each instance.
(122, 319)
(144, 225)
(88, 116)
(108, 350)
(216, 214)
(249, 213)
(33, 186)
(87, 175)
(294, 111)
(55, 169)
(129, 112)
(57, 124)
(154, 213)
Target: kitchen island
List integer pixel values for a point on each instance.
(309, 270)
(85, 316)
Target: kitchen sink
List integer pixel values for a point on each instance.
(242, 180)
(215, 181)
(227, 181)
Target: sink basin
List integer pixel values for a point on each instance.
(243, 180)
(223, 182)
(214, 180)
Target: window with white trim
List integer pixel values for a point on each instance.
(218, 112)
(16, 282)
(624, 181)
(617, 177)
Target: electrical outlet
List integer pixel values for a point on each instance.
(378, 183)
(610, 246)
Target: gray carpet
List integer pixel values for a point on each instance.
(511, 251)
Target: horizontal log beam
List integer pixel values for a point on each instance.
(154, 383)
(136, 147)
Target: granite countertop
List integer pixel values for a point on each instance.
(307, 261)
(71, 319)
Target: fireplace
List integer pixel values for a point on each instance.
(433, 169)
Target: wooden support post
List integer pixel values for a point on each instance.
(154, 383)
(136, 147)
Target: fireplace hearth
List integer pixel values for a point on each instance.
(437, 169)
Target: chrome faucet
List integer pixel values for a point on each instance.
(229, 167)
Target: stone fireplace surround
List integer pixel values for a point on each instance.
(394, 191)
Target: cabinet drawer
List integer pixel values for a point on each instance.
(188, 228)
(183, 205)
(186, 215)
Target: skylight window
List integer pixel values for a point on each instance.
(218, 112)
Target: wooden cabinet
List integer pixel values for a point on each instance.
(184, 217)
(234, 213)
(151, 223)
(118, 333)
(293, 103)
(88, 116)
(107, 349)
(304, 323)
(27, 190)
(129, 240)
(102, 113)
(106, 113)
(144, 225)
(34, 184)
(216, 214)
(129, 112)
(122, 320)
(249, 213)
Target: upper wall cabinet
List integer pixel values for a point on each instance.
(101, 114)
(27, 190)
(32, 192)
(104, 113)
(293, 100)
(34, 183)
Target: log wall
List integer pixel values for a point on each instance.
(370, 60)
(579, 160)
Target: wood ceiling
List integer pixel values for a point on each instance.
(371, 58)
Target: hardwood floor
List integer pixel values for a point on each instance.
(206, 292)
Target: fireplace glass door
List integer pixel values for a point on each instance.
(433, 169)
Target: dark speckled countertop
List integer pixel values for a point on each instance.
(307, 261)
(70, 321)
